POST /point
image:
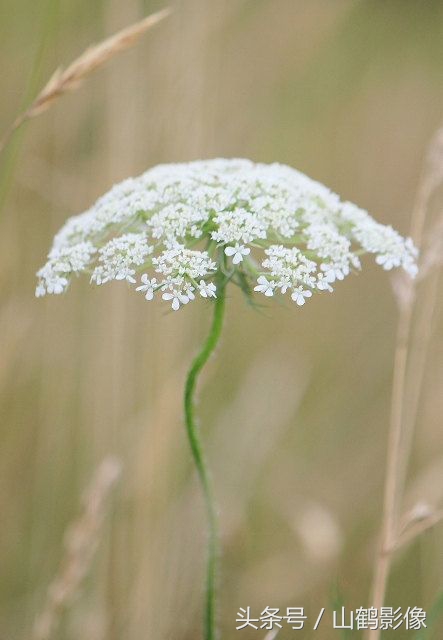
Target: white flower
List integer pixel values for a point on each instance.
(239, 224)
(189, 292)
(180, 261)
(148, 286)
(237, 251)
(289, 267)
(53, 277)
(284, 284)
(299, 295)
(333, 271)
(177, 299)
(177, 222)
(207, 290)
(388, 261)
(322, 283)
(264, 286)
(119, 256)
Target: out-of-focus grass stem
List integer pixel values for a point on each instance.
(401, 426)
(49, 22)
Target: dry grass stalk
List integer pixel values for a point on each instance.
(81, 542)
(418, 527)
(401, 427)
(69, 79)
(434, 252)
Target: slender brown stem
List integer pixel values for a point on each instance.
(400, 429)
(418, 528)
(394, 459)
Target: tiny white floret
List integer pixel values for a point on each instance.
(237, 252)
(207, 290)
(299, 295)
(148, 286)
(177, 299)
(264, 286)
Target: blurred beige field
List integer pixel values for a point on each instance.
(295, 407)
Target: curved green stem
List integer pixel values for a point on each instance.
(197, 452)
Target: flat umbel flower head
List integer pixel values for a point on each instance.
(181, 229)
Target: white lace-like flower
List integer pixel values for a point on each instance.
(237, 253)
(119, 256)
(189, 227)
(147, 286)
(62, 261)
(177, 299)
(264, 286)
(207, 290)
(184, 262)
(299, 295)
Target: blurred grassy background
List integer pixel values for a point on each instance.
(295, 407)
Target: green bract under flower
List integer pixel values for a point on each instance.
(179, 230)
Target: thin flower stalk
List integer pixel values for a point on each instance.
(200, 463)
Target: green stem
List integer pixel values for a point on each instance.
(197, 452)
